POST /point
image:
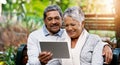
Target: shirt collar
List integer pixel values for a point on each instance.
(47, 33)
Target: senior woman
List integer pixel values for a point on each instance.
(85, 48)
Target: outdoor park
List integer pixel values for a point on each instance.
(18, 18)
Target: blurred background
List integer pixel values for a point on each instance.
(20, 17)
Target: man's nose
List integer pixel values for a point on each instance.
(53, 21)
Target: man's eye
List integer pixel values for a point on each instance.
(49, 19)
(57, 18)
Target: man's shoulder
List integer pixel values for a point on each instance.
(36, 32)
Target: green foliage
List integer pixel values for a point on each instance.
(11, 6)
(37, 7)
(8, 57)
(32, 23)
(34, 7)
(63, 4)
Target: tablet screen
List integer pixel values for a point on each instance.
(59, 49)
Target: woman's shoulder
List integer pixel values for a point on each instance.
(94, 37)
(92, 40)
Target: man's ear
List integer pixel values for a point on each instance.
(44, 20)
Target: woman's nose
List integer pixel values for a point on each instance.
(69, 27)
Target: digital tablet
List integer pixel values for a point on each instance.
(59, 49)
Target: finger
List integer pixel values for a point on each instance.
(46, 57)
(108, 57)
(107, 53)
(43, 60)
(42, 55)
(50, 56)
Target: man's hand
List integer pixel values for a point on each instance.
(44, 57)
(107, 53)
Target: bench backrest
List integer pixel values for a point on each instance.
(100, 22)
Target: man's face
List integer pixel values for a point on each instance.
(53, 21)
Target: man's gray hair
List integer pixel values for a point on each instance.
(52, 8)
(75, 12)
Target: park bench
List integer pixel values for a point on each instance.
(100, 22)
(21, 58)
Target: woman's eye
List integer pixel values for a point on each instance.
(72, 24)
(66, 25)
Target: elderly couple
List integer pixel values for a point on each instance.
(85, 48)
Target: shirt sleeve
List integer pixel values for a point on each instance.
(97, 58)
(33, 51)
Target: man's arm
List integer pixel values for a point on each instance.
(97, 58)
(32, 51)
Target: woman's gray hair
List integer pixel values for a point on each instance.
(74, 12)
(52, 8)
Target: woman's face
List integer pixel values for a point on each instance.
(73, 27)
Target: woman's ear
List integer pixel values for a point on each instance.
(83, 24)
